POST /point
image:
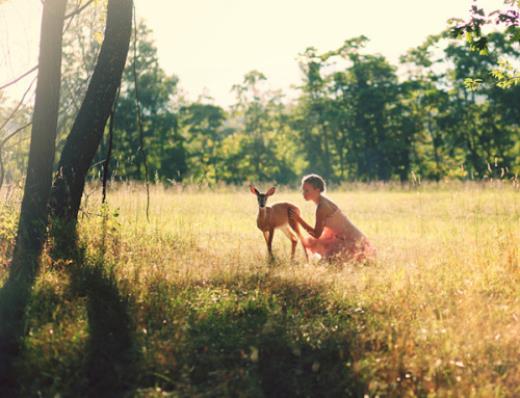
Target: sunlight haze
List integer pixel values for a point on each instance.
(210, 44)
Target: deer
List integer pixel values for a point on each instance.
(275, 217)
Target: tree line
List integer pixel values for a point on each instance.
(357, 117)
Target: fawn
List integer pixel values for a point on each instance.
(276, 216)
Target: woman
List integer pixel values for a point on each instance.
(334, 236)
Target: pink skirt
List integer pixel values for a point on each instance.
(329, 246)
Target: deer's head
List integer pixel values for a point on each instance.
(261, 197)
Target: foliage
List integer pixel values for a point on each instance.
(202, 128)
(354, 119)
(163, 143)
(357, 117)
(505, 75)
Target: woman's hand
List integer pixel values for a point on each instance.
(293, 215)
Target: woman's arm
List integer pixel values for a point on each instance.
(318, 228)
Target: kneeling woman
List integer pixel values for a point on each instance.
(334, 236)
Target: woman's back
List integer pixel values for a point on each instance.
(337, 222)
(341, 226)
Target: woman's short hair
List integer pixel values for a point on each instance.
(316, 181)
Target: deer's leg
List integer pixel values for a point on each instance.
(270, 242)
(293, 239)
(266, 237)
(305, 252)
(296, 228)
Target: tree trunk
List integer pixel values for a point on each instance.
(34, 210)
(87, 131)
(436, 156)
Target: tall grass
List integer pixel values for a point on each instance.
(188, 305)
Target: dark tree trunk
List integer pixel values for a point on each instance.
(34, 211)
(436, 156)
(87, 131)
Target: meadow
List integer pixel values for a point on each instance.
(187, 303)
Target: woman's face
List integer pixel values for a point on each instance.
(309, 192)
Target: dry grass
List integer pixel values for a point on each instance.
(437, 315)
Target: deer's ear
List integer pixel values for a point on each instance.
(271, 191)
(253, 190)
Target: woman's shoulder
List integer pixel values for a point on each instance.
(326, 207)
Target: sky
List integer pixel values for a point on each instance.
(211, 44)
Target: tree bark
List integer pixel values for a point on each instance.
(34, 210)
(87, 131)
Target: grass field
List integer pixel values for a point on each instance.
(188, 305)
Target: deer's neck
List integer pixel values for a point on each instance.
(263, 217)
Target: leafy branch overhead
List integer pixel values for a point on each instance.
(506, 74)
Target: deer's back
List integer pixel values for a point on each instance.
(280, 213)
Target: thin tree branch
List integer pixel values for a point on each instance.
(4, 141)
(2, 172)
(35, 68)
(18, 106)
(7, 120)
(78, 11)
(140, 121)
(19, 78)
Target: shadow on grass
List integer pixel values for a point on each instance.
(111, 353)
(108, 366)
(256, 336)
(14, 298)
(276, 339)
